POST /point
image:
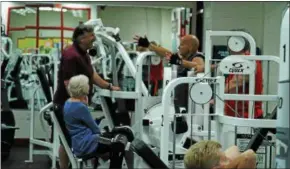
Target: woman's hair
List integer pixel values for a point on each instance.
(203, 155)
(78, 86)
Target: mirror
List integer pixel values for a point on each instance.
(73, 17)
(49, 17)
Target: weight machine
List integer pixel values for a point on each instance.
(226, 67)
(8, 125)
(164, 115)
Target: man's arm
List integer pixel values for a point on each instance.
(197, 63)
(237, 80)
(159, 50)
(99, 81)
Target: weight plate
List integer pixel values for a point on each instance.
(236, 44)
(200, 93)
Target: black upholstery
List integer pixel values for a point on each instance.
(3, 66)
(20, 103)
(50, 77)
(41, 73)
(261, 133)
(118, 117)
(147, 154)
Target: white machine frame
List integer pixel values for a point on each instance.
(52, 146)
(219, 117)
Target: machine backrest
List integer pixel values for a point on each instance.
(17, 68)
(63, 140)
(41, 73)
(3, 66)
(49, 69)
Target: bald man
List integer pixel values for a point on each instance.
(188, 58)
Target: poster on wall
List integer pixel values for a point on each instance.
(27, 45)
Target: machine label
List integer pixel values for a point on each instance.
(237, 68)
(236, 65)
(204, 80)
(243, 141)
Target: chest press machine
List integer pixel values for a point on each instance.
(156, 128)
(222, 122)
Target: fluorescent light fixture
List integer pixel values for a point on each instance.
(19, 11)
(52, 9)
(30, 10)
(45, 8)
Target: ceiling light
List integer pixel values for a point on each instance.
(45, 8)
(56, 9)
(30, 10)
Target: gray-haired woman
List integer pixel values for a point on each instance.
(83, 130)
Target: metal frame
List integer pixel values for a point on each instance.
(52, 146)
(219, 116)
(5, 40)
(208, 55)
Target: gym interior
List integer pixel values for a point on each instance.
(158, 131)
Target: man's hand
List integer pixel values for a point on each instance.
(115, 88)
(173, 58)
(143, 42)
(211, 102)
(176, 60)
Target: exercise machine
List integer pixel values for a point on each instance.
(8, 125)
(48, 86)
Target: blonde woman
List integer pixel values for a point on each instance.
(207, 154)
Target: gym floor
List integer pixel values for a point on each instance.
(18, 156)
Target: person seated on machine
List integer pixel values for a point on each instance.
(156, 73)
(82, 128)
(207, 154)
(239, 84)
(187, 59)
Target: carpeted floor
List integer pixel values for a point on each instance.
(17, 159)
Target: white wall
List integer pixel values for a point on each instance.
(261, 19)
(232, 15)
(155, 23)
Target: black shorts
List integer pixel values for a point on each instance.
(102, 149)
(58, 111)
